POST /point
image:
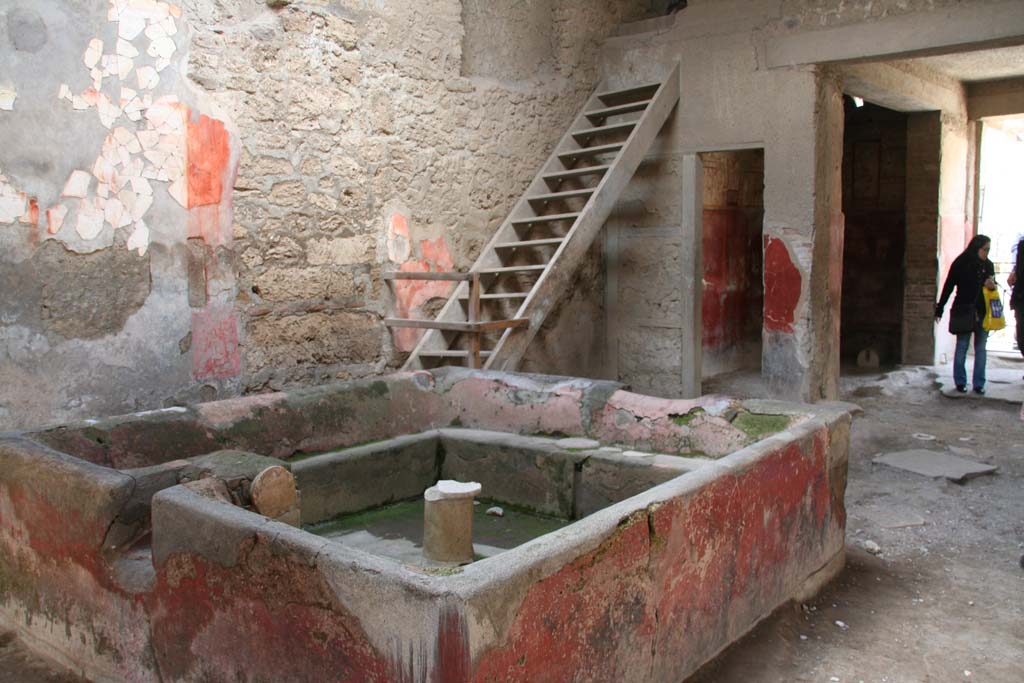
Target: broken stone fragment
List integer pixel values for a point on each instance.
(212, 488)
(495, 511)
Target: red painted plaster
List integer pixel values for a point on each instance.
(215, 353)
(731, 297)
(590, 621)
(782, 282)
(293, 628)
(411, 295)
(208, 157)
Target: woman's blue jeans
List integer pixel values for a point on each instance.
(980, 356)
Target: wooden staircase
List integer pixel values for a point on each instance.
(499, 305)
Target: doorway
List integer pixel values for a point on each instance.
(733, 293)
(1001, 208)
(874, 203)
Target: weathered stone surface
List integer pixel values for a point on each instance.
(314, 340)
(95, 294)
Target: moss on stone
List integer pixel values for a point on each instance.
(686, 419)
(758, 425)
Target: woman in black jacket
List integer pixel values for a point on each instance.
(970, 271)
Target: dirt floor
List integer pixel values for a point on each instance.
(940, 595)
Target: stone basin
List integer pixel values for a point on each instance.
(129, 549)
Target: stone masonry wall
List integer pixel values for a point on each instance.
(375, 137)
(198, 199)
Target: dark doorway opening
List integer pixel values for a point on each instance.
(874, 204)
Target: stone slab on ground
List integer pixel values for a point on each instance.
(893, 517)
(1003, 384)
(935, 464)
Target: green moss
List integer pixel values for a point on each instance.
(456, 422)
(552, 435)
(442, 571)
(757, 426)
(361, 520)
(685, 420)
(379, 388)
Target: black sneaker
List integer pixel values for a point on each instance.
(979, 392)
(962, 388)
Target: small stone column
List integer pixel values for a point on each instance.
(448, 521)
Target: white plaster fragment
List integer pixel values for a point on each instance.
(108, 111)
(149, 138)
(156, 30)
(162, 64)
(77, 185)
(90, 220)
(139, 239)
(123, 67)
(103, 190)
(178, 189)
(161, 48)
(148, 77)
(64, 93)
(12, 204)
(93, 53)
(104, 170)
(126, 49)
(130, 24)
(7, 96)
(141, 186)
(141, 206)
(55, 216)
(170, 28)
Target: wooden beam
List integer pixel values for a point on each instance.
(451, 277)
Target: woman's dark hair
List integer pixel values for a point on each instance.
(1019, 250)
(976, 243)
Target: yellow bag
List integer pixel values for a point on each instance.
(994, 319)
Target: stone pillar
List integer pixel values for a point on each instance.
(803, 237)
(448, 521)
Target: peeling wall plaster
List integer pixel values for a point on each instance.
(104, 146)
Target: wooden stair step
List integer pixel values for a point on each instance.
(584, 152)
(587, 133)
(602, 114)
(513, 269)
(451, 353)
(635, 91)
(575, 173)
(530, 243)
(546, 219)
(501, 296)
(457, 326)
(556, 196)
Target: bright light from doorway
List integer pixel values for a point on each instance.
(858, 101)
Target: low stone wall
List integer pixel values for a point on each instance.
(644, 589)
